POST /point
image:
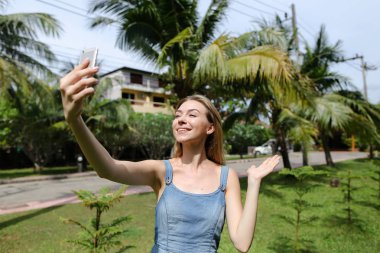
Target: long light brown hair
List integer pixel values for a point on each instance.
(214, 142)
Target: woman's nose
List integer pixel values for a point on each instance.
(182, 120)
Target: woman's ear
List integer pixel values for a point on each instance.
(211, 129)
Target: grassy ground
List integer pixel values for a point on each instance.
(25, 172)
(42, 231)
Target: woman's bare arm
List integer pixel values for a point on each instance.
(75, 87)
(242, 222)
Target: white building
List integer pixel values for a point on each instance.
(144, 90)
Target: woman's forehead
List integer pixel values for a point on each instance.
(192, 105)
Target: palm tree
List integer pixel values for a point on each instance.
(28, 99)
(30, 123)
(368, 115)
(267, 96)
(316, 66)
(317, 63)
(20, 49)
(173, 35)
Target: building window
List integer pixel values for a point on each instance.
(158, 101)
(161, 83)
(136, 78)
(129, 96)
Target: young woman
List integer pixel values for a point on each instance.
(195, 191)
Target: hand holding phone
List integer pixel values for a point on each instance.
(91, 54)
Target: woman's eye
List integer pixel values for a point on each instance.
(192, 115)
(177, 116)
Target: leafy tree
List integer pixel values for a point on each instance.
(20, 49)
(242, 135)
(173, 35)
(28, 102)
(152, 134)
(266, 96)
(29, 122)
(349, 217)
(99, 237)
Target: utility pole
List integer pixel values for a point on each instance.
(353, 148)
(295, 34)
(365, 67)
(305, 145)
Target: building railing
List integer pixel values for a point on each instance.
(146, 103)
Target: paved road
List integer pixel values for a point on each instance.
(21, 196)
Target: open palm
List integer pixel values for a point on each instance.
(258, 173)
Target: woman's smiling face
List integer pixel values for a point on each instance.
(191, 123)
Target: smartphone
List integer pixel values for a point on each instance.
(91, 54)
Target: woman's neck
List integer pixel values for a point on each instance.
(193, 155)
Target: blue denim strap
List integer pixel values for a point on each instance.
(168, 172)
(223, 177)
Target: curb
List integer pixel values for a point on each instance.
(131, 190)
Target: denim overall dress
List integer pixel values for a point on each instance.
(189, 222)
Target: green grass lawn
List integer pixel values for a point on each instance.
(26, 172)
(42, 231)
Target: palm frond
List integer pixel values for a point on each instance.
(330, 113)
(214, 14)
(211, 63)
(265, 62)
(101, 21)
(301, 130)
(3, 4)
(113, 6)
(28, 24)
(178, 39)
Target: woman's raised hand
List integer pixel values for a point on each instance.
(258, 173)
(75, 86)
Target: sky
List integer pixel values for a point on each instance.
(354, 23)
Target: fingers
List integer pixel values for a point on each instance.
(83, 93)
(79, 72)
(80, 85)
(273, 161)
(270, 163)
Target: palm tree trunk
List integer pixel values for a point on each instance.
(280, 137)
(371, 155)
(284, 150)
(305, 158)
(326, 149)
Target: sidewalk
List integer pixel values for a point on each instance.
(34, 192)
(82, 174)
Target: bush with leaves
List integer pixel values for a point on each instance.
(152, 134)
(242, 135)
(301, 187)
(348, 188)
(98, 237)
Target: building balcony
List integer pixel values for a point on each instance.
(144, 106)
